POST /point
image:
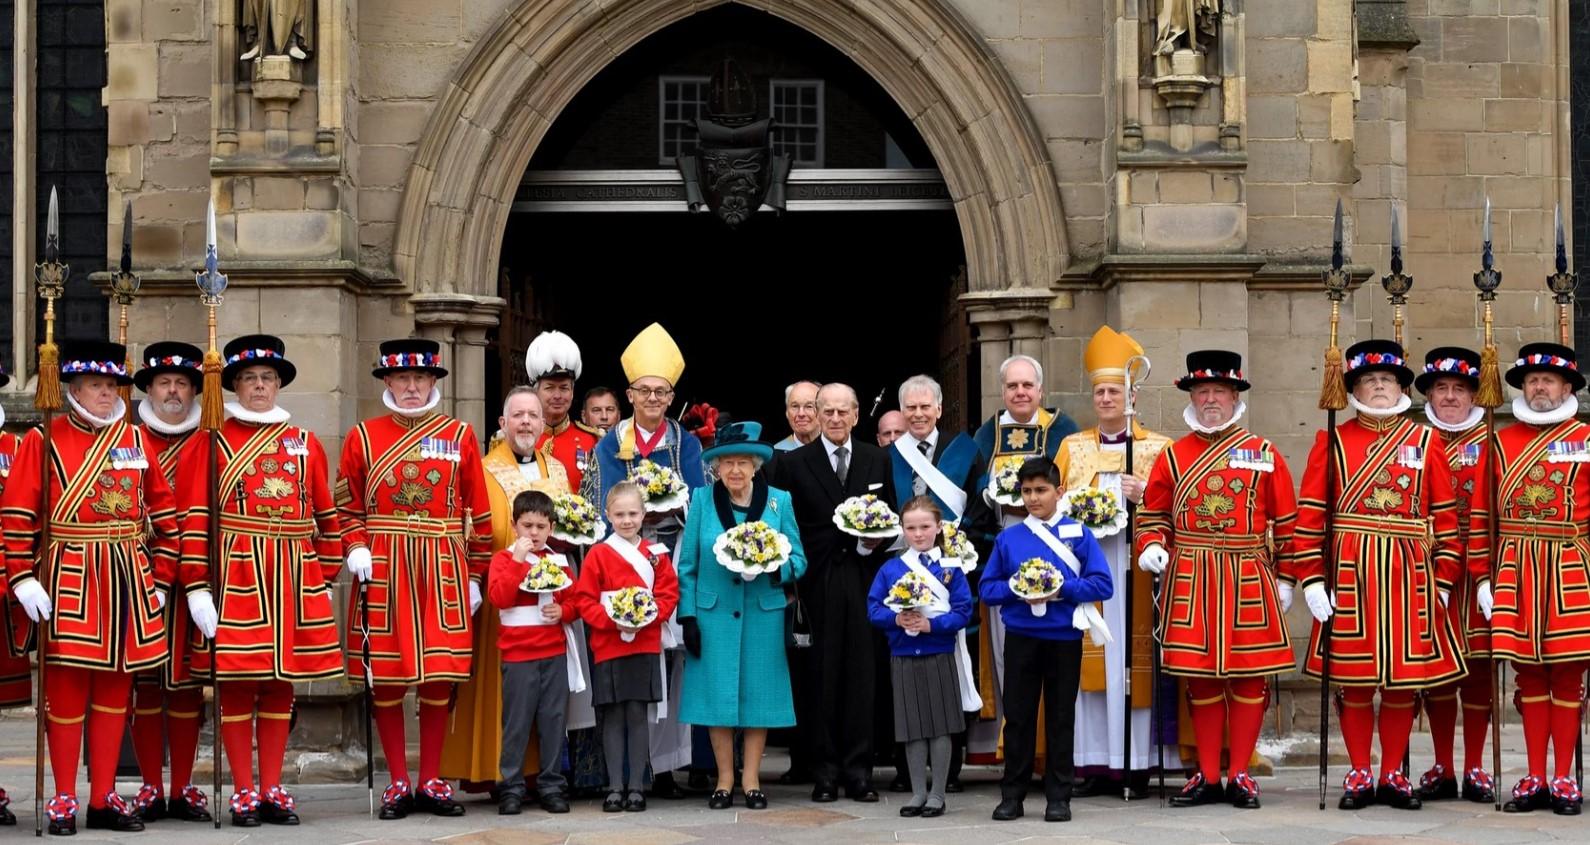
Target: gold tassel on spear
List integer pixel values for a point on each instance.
(124, 287)
(212, 284)
(1489, 396)
(51, 276)
(1488, 279)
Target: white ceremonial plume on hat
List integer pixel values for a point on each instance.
(552, 352)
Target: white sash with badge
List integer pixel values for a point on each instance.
(1086, 617)
(648, 574)
(525, 616)
(936, 480)
(970, 699)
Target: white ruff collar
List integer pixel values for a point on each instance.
(430, 404)
(1190, 417)
(1565, 411)
(1363, 410)
(147, 414)
(277, 414)
(97, 422)
(1475, 415)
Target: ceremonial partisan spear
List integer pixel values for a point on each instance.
(51, 276)
(1562, 284)
(1332, 398)
(212, 284)
(124, 287)
(1397, 284)
(1132, 381)
(1489, 397)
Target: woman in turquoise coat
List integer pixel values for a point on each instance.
(736, 673)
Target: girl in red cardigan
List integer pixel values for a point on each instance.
(626, 675)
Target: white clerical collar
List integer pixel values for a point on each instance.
(530, 469)
(430, 404)
(1006, 418)
(277, 414)
(832, 447)
(1565, 411)
(1190, 417)
(1476, 414)
(116, 413)
(1401, 407)
(146, 412)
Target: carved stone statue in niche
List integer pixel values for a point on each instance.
(278, 28)
(1181, 22)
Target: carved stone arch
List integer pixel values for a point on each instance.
(541, 53)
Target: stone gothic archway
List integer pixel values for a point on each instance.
(540, 54)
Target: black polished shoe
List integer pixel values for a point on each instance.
(825, 793)
(862, 793)
(1057, 811)
(1009, 809)
(1395, 791)
(932, 812)
(613, 803)
(444, 806)
(1198, 792)
(554, 803)
(910, 811)
(246, 818)
(276, 814)
(755, 799)
(7, 818)
(510, 805)
(1442, 789)
(1242, 792)
(1094, 785)
(663, 786)
(1356, 799)
(188, 807)
(154, 811)
(106, 818)
(1566, 806)
(64, 827)
(1481, 790)
(720, 800)
(635, 803)
(396, 809)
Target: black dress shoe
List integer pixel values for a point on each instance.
(1057, 811)
(663, 786)
(1477, 792)
(1008, 810)
(398, 809)
(553, 802)
(1394, 797)
(954, 787)
(720, 800)
(1093, 785)
(509, 805)
(106, 818)
(182, 809)
(276, 814)
(825, 793)
(910, 812)
(862, 794)
(1205, 792)
(247, 818)
(635, 803)
(613, 803)
(932, 812)
(436, 806)
(755, 799)
(1356, 799)
(7, 817)
(901, 783)
(154, 811)
(1241, 798)
(1565, 806)
(64, 827)
(1443, 789)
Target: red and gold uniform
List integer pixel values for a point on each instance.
(411, 489)
(1221, 505)
(101, 574)
(16, 671)
(1389, 631)
(572, 444)
(1541, 619)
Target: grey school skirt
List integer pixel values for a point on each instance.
(633, 677)
(927, 697)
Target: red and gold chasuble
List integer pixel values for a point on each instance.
(169, 451)
(1393, 488)
(16, 679)
(1222, 506)
(105, 495)
(572, 444)
(281, 547)
(1466, 455)
(412, 491)
(1542, 589)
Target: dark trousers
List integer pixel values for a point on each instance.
(840, 680)
(1050, 669)
(534, 692)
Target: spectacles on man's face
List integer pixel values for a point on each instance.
(652, 392)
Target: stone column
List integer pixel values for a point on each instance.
(1006, 323)
(459, 322)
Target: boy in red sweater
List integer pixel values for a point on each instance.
(626, 671)
(535, 654)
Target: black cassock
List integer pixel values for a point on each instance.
(835, 680)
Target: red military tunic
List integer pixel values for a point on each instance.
(1210, 501)
(105, 494)
(1465, 455)
(1542, 588)
(16, 678)
(573, 444)
(412, 490)
(1393, 484)
(282, 547)
(169, 451)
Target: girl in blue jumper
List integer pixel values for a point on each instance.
(927, 693)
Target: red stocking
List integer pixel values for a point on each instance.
(275, 719)
(1534, 702)
(237, 730)
(1245, 704)
(389, 723)
(109, 694)
(434, 699)
(182, 725)
(65, 706)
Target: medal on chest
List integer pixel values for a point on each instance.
(435, 448)
(130, 457)
(114, 496)
(5, 466)
(1257, 460)
(1567, 452)
(1468, 455)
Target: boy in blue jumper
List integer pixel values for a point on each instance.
(1043, 653)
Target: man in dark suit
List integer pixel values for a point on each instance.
(834, 681)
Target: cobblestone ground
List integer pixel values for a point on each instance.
(339, 814)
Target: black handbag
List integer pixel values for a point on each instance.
(797, 625)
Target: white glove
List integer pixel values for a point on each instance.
(360, 564)
(1484, 599)
(1319, 603)
(35, 602)
(1446, 597)
(474, 597)
(1284, 592)
(1153, 559)
(160, 599)
(201, 609)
